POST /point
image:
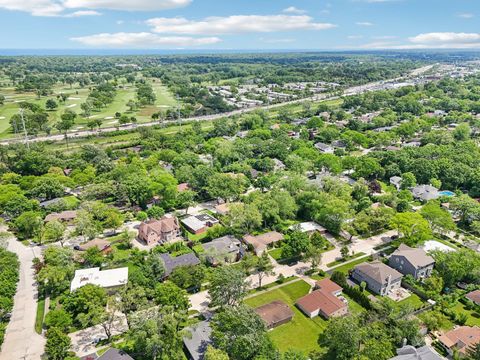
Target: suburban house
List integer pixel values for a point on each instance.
(222, 209)
(396, 181)
(64, 216)
(409, 352)
(324, 148)
(197, 224)
(460, 339)
(196, 345)
(275, 313)
(324, 300)
(413, 261)
(261, 242)
(474, 296)
(106, 278)
(226, 249)
(159, 231)
(380, 278)
(308, 227)
(425, 192)
(171, 263)
(101, 244)
(110, 354)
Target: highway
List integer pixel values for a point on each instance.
(374, 86)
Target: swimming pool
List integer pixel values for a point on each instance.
(447, 193)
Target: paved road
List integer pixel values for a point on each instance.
(378, 85)
(200, 300)
(21, 341)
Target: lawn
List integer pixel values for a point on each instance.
(473, 317)
(347, 267)
(413, 300)
(341, 261)
(299, 334)
(40, 315)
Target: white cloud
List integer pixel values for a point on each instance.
(129, 5)
(384, 37)
(277, 41)
(465, 15)
(236, 24)
(435, 40)
(120, 22)
(354, 37)
(364, 23)
(294, 10)
(142, 40)
(83, 13)
(442, 38)
(58, 7)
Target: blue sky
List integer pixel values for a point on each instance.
(240, 24)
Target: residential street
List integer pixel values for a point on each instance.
(21, 341)
(200, 301)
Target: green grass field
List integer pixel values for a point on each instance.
(473, 317)
(76, 97)
(345, 268)
(299, 334)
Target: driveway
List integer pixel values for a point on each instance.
(84, 341)
(21, 341)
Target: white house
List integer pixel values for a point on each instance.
(105, 279)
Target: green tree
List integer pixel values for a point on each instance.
(51, 104)
(408, 180)
(440, 220)
(169, 294)
(53, 231)
(29, 225)
(58, 344)
(342, 336)
(66, 123)
(241, 333)
(227, 287)
(412, 226)
(264, 267)
(58, 318)
(215, 354)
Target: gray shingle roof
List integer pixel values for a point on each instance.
(173, 262)
(417, 257)
(200, 339)
(422, 353)
(378, 271)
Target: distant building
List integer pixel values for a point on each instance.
(171, 263)
(198, 224)
(474, 296)
(308, 227)
(106, 278)
(425, 192)
(324, 148)
(101, 244)
(326, 301)
(380, 278)
(409, 352)
(460, 339)
(64, 216)
(412, 261)
(275, 313)
(223, 209)
(196, 344)
(226, 249)
(159, 231)
(261, 242)
(396, 181)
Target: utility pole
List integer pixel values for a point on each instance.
(24, 129)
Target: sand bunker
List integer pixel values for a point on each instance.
(71, 105)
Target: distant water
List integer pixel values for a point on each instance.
(120, 52)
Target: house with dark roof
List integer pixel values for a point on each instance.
(196, 344)
(380, 278)
(324, 148)
(115, 354)
(171, 263)
(226, 249)
(275, 313)
(425, 192)
(159, 231)
(412, 261)
(324, 300)
(67, 216)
